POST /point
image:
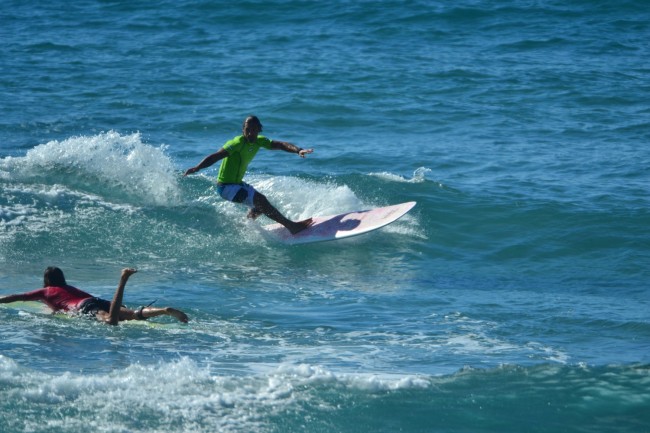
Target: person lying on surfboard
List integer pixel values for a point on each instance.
(235, 155)
(60, 296)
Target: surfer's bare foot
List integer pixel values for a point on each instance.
(299, 226)
(127, 272)
(254, 213)
(182, 317)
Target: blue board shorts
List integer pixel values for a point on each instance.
(237, 193)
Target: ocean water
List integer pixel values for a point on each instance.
(514, 297)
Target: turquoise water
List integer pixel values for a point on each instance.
(513, 297)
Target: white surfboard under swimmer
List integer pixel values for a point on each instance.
(327, 228)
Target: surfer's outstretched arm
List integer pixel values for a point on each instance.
(34, 295)
(12, 298)
(291, 148)
(208, 161)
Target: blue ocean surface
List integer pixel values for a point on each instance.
(514, 297)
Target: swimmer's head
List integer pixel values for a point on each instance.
(53, 276)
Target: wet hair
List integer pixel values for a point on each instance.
(53, 276)
(252, 119)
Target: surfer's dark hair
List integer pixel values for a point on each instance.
(53, 276)
(252, 119)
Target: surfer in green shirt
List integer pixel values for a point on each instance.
(235, 156)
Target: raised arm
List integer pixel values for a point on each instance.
(291, 148)
(116, 303)
(208, 161)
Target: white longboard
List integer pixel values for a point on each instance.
(328, 228)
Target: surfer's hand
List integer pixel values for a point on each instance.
(304, 152)
(191, 171)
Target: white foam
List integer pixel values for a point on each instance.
(42, 206)
(305, 374)
(109, 158)
(419, 176)
(189, 395)
(300, 198)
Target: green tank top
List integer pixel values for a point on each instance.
(240, 154)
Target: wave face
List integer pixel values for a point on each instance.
(513, 297)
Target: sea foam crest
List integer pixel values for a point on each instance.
(419, 176)
(114, 160)
(301, 198)
(373, 382)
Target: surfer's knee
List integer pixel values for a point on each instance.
(260, 199)
(263, 205)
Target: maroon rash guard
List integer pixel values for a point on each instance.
(58, 298)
